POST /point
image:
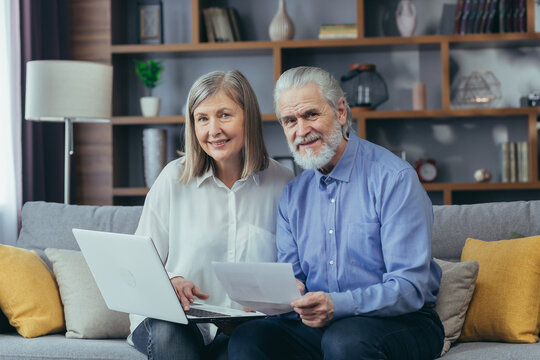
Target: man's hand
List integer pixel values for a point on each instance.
(316, 309)
(186, 291)
(300, 285)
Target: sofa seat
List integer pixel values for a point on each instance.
(58, 347)
(493, 351)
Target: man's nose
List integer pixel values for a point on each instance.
(302, 128)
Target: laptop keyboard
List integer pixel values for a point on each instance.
(205, 313)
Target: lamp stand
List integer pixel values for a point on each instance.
(68, 151)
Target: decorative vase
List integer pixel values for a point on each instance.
(150, 106)
(281, 28)
(419, 96)
(154, 153)
(406, 17)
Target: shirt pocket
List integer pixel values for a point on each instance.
(260, 246)
(364, 246)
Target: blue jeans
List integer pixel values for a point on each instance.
(417, 335)
(160, 339)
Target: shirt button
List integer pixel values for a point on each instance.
(330, 231)
(333, 201)
(331, 262)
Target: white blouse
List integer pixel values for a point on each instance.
(203, 221)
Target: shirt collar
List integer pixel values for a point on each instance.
(210, 174)
(343, 169)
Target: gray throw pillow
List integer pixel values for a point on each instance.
(457, 287)
(85, 311)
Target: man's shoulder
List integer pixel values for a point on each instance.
(379, 158)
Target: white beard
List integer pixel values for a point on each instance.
(310, 160)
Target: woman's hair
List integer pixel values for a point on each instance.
(238, 89)
(328, 86)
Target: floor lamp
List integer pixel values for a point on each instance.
(68, 91)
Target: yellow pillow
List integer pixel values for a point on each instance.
(28, 293)
(506, 302)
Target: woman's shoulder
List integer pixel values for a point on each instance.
(171, 172)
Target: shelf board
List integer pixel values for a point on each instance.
(130, 191)
(476, 40)
(141, 120)
(481, 186)
(397, 114)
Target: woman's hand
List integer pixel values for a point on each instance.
(186, 291)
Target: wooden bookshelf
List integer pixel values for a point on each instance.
(101, 30)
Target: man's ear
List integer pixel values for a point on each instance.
(342, 111)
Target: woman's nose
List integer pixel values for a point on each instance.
(215, 127)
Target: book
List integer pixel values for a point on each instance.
(210, 37)
(491, 16)
(522, 17)
(523, 161)
(478, 17)
(338, 31)
(485, 13)
(512, 159)
(465, 17)
(233, 18)
(505, 162)
(502, 16)
(457, 18)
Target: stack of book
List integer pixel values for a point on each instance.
(515, 161)
(490, 16)
(338, 31)
(221, 24)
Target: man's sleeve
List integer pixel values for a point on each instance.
(406, 219)
(287, 249)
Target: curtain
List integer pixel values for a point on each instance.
(45, 35)
(10, 123)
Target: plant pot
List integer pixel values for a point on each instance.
(150, 106)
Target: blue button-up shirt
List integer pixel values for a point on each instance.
(361, 233)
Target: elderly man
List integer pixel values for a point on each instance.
(356, 227)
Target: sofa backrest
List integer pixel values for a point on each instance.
(48, 225)
(453, 224)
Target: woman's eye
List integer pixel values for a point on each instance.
(202, 119)
(225, 115)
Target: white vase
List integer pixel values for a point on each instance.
(150, 106)
(281, 28)
(154, 153)
(406, 17)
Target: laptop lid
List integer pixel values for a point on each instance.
(131, 278)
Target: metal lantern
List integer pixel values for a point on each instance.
(364, 87)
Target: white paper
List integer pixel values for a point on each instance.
(266, 287)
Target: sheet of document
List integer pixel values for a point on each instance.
(266, 287)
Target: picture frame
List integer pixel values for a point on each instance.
(150, 22)
(288, 162)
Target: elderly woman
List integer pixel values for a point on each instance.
(216, 203)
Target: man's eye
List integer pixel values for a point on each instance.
(289, 122)
(311, 115)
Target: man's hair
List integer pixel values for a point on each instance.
(238, 89)
(328, 87)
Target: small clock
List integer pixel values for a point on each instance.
(426, 169)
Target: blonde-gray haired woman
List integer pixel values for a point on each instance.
(216, 203)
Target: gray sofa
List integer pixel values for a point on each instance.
(49, 225)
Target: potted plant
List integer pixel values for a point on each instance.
(149, 72)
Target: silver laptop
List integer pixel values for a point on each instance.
(131, 278)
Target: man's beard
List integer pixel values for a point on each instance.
(310, 160)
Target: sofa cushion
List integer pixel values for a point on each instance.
(59, 347)
(493, 351)
(457, 287)
(85, 311)
(28, 293)
(506, 302)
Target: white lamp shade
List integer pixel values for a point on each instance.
(60, 89)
